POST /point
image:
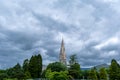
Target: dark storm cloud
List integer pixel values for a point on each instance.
(90, 29)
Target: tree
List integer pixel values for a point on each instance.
(92, 74)
(10, 72)
(73, 59)
(26, 69)
(3, 74)
(39, 62)
(85, 74)
(35, 66)
(27, 75)
(114, 70)
(74, 69)
(57, 66)
(103, 74)
(15, 72)
(18, 72)
(26, 65)
(62, 75)
(56, 71)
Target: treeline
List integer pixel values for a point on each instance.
(32, 69)
(58, 71)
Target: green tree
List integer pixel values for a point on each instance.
(3, 74)
(73, 59)
(85, 74)
(57, 66)
(26, 69)
(62, 75)
(10, 72)
(27, 75)
(26, 65)
(93, 75)
(15, 72)
(114, 70)
(103, 74)
(74, 69)
(35, 66)
(18, 72)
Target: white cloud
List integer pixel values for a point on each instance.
(114, 4)
(111, 1)
(110, 54)
(111, 41)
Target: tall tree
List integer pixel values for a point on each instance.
(93, 74)
(114, 70)
(35, 66)
(26, 69)
(26, 65)
(103, 74)
(39, 61)
(74, 69)
(73, 59)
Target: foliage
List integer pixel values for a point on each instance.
(27, 75)
(10, 72)
(3, 76)
(35, 66)
(26, 65)
(74, 69)
(62, 75)
(26, 69)
(16, 72)
(85, 74)
(31, 69)
(92, 74)
(103, 74)
(57, 71)
(57, 66)
(73, 59)
(114, 70)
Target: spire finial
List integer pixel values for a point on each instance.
(62, 53)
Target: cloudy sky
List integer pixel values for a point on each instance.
(90, 28)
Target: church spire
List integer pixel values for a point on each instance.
(62, 56)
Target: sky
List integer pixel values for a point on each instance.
(90, 29)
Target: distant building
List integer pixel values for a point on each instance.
(44, 67)
(62, 56)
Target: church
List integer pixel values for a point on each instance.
(62, 56)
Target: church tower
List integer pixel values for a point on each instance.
(62, 55)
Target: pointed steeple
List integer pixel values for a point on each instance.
(62, 56)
